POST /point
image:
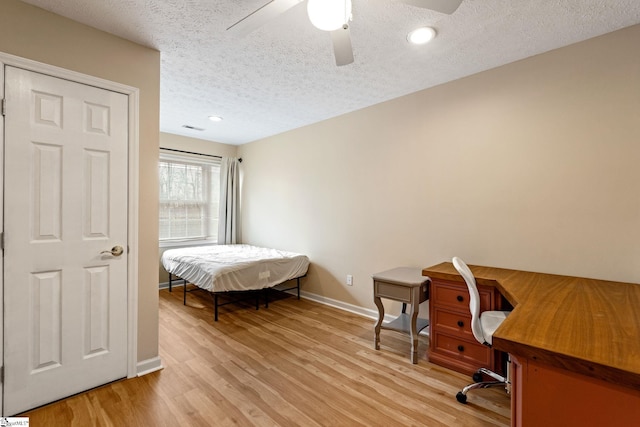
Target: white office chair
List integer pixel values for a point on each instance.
(483, 325)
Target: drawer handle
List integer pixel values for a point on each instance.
(461, 348)
(460, 323)
(460, 298)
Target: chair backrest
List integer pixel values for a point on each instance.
(474, 297)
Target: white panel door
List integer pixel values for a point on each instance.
(65, 202)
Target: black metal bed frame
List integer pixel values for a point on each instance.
(215, 295)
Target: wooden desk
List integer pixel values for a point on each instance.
(575, 345)
(408, 286)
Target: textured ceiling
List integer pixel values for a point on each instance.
(283, 75)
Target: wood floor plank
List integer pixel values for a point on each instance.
(297, 363)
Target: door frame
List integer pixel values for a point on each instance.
(133, 95)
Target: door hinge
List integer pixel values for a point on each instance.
(1, 241)
(4, 107)
(2, 374)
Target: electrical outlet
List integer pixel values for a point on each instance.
(349, 280)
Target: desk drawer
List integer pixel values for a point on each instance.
(452, 323)
(392, 291)
(457, 296)
(472, 353)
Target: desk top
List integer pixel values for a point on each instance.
(587, 326)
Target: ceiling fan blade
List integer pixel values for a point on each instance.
(442, 6)
(261, 16)
(342, 49)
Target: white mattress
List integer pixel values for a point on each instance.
(221, 268)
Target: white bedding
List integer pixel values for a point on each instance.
(221, 268)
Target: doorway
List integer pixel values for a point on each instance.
(68, 282)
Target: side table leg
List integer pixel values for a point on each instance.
(378, 303)
(415, 308)
(414, 336)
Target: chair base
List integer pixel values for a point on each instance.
(499, 381)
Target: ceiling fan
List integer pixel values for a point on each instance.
(328, 15)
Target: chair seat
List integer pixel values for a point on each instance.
(489, 321)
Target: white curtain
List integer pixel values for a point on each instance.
(229, 217)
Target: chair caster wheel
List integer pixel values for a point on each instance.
(477, 377)
(462, 398)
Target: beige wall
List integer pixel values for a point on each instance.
(38, 35)
(179, 142)
(533, 165)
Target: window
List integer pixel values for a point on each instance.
(189, 197)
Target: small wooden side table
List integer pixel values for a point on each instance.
(409, 286)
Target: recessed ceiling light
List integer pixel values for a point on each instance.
(421, 35)
(215, 118)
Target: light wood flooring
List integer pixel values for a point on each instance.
(297, 363)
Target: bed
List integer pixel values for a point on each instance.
(234, 269)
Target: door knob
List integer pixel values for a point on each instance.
(115, 251)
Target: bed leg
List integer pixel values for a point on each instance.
(298, 280)
(266, 297)
(170, 282)
(258, 300)
(215, 310)
(184, 293)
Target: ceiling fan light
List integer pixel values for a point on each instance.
(329, 15)
(421, 35)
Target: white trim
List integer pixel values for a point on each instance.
(355, 309)
(134, 192)
(134, 143)
(2, 231)
(148, 366)
(165, 285)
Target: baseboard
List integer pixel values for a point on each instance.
(148, 366)
(355, 309)
(175, 284)
(351, 308)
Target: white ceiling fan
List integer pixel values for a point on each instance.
(328, 15)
